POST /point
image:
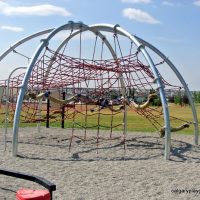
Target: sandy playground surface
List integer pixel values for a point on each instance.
(140, 172)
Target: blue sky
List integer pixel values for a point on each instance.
(173, 26)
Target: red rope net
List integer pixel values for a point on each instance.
(96, 86)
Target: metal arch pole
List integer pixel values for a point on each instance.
(44, 43)
(196, 131)
(76, 33)
(7, 103)
(20, 42)
(102, 27)
(2, 56)
(92, 29)
(108, 27)
(164, 105)
(98, 33)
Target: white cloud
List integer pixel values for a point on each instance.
(12, 28)
(136, 1)
(39, 10)
(139, 15)
(197, 2)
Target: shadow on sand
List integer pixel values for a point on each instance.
(149, 147)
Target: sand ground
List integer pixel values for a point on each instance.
(138, 172)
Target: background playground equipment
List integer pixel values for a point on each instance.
(94, 62)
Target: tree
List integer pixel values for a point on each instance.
(177, 99)
(131, 93)
(198, 97)
(157, 101)
(113, 94)
(195, 97)
(185, 99)
(171, 99)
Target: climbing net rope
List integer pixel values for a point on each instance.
(81, 92)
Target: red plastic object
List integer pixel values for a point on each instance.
(27, 194)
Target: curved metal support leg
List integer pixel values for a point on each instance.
(103, 27)
(171, 65)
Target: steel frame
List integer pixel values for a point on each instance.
(97, 28)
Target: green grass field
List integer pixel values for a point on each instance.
(135, 122)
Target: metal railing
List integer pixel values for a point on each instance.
(41, 181)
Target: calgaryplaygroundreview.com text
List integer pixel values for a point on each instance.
(185, 191)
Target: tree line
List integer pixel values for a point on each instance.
(196, 96)
(179, 98)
